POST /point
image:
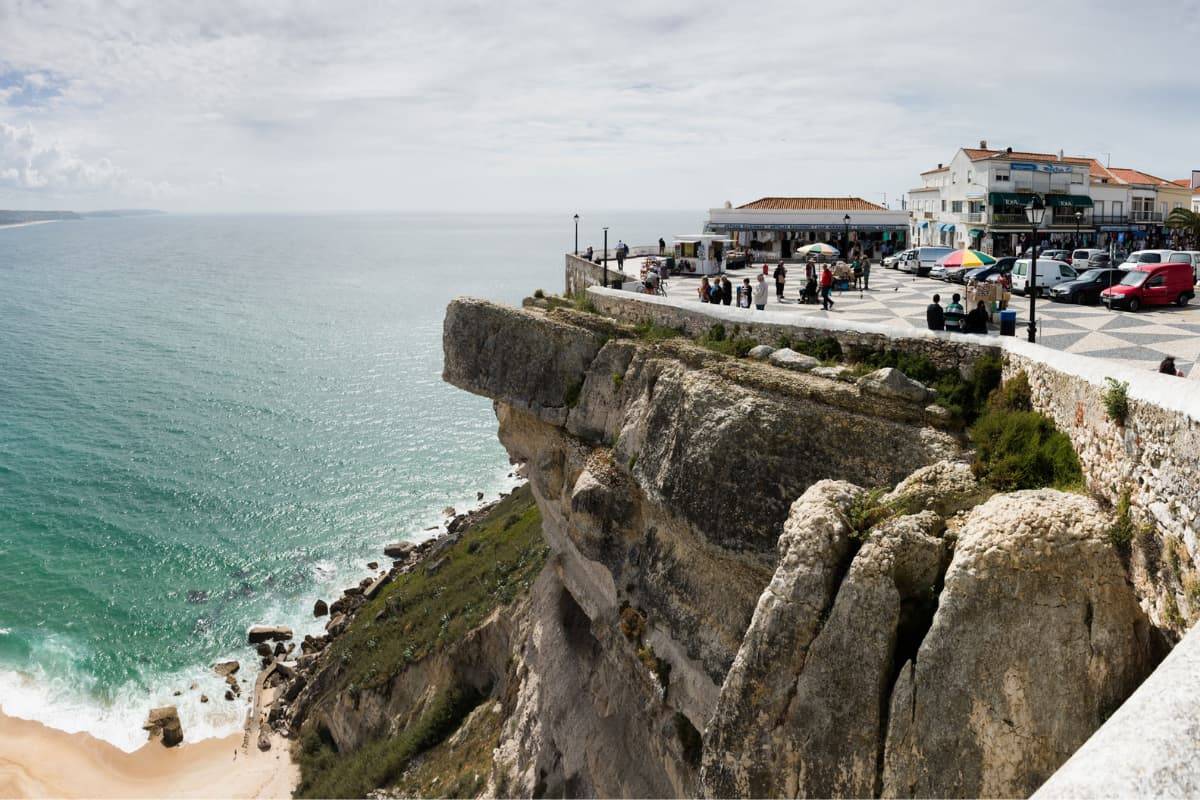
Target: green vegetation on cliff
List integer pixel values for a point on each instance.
(420, 613)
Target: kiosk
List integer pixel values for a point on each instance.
(701, 253)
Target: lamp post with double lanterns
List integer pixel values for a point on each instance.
(846, 236)
(576, 234)
(1034, 212)
(1078, 219)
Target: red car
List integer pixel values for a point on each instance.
(1152, 285)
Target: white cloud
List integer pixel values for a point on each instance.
(524, 104)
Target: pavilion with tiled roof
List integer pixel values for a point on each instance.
(776, 227)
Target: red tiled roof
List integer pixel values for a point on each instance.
(1184, 182)
(813, 204)
(975, 154)
(938, 169)
(1136, 176)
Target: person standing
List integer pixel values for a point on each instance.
(780, 280)
(866, 273)
(826, 288)
(1167, 367)
(935, 318)
(810, 270)
(743, 299)
(662, 246)
(726, 291)
(977, 319)
(620, 256)
(703, 290)
(760, 293)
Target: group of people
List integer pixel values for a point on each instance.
(954, 317)
(719, 291)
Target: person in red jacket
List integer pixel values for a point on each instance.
(826, 288)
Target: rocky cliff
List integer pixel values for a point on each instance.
(763, 578)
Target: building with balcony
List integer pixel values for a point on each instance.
(774, 228)
(978, 200)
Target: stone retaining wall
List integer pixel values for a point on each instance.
(581, 273)
(947, 350)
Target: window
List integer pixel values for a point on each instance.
(1001, 177)
(970, 175)
(1162, 209)
(1157, 280)
(1099, 211)
(943, 205)
(956, 206)
(1118, 208)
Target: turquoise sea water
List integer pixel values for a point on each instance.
(211, 421)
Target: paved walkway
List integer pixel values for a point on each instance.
(1139, 339)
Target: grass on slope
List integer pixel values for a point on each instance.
(420, 612)
(417, 615)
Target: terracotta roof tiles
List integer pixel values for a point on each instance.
(812, 204)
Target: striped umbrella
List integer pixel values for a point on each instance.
(818, 249)
(967, 258)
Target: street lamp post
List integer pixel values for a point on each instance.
(846, 236)
(1034, 212)
(605, 256)
(576, 234)
(1078, 219)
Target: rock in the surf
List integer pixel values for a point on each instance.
(269, 633)
(163, 724)
(320, 608)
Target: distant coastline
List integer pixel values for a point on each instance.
(12, 218)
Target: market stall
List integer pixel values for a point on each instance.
(700, 253)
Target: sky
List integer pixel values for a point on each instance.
(267, 106)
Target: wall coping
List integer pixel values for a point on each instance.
(1170, 393)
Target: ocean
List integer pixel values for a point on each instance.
(208, 422)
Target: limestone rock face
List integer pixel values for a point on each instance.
(1037, 639)
(946, 487)
(892, 383)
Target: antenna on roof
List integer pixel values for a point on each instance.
(1107, 160)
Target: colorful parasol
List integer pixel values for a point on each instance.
(818, 249)
(967, 258)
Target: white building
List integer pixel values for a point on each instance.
(978, 200)
(776, 227)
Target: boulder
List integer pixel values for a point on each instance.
(436, 565)
(264, 650)
(761, 352)
(789, 359)
(895, 385)
(163, 724)
(337, 624)
(1038, 637)
(448, 511)
(946, 487)
(835, 373)
(320, 608)
(279, 650)
(478, 496)
(229, 694)
(203, 698)
(226, 668)
(372, 565)
(351, 591)
(398, 550)
(375, 585)
(269, 633)
(264, 740)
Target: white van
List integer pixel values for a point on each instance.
(1080, 258)
(1154, 257)
(920, 260)
(1049, 273)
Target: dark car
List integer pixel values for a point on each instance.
(1100, 261)
(1088, 286)
(1003, 266)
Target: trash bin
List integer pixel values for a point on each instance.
(1008, 323)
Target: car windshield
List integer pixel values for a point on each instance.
(1091, 275)
(1135, 278)
(1147, 258)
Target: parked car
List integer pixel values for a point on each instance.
(1087, 287)
(1003, 266)
(1057, 255)
(1194, 256)
(1099, 260)
(1050, 272)
(1083, 256)
(921, 260)
(1152, 284)
(891, 261)
(1153, 257)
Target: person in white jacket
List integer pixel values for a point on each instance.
(760, 293)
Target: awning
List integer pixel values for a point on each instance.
(924, 224)
(1068, 201)
(976, 232)
(947, 227)
(1009, 199)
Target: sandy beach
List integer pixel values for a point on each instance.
(36, 761)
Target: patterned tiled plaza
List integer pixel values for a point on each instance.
(1139, 339)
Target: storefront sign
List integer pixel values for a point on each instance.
(1054, 168)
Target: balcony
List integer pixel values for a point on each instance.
(975, 216)
(1145, 216)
